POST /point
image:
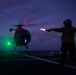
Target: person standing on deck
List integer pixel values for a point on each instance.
(67, 39)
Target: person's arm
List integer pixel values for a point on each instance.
(55, 29)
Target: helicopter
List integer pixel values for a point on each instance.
(21, 36)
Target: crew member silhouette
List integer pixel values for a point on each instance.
(67, 39)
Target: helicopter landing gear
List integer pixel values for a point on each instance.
(27, 47)
(14, 48)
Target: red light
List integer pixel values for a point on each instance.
(25, 22)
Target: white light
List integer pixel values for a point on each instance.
(42, 29)
(25, 40)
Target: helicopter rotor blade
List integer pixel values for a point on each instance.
(19, 25)
(39, 24)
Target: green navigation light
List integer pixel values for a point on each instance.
(9, 43)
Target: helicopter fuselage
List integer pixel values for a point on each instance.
(22, 37)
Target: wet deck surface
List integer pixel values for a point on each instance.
(14, 63)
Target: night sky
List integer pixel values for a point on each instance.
(40, 14)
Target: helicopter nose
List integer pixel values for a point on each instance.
(10, 29)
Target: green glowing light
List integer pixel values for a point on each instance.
(9, 43)
(6, 44)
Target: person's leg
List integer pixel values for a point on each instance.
(72, 53)
(64, 53)
(63, 56)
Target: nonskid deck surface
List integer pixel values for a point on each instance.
(33, 63)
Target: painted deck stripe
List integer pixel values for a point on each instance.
(16, 59)
(42, 59)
